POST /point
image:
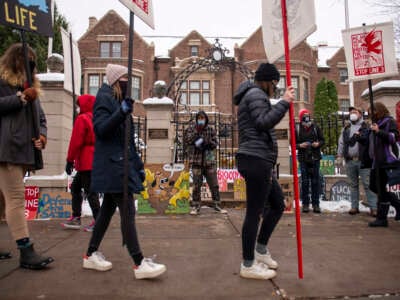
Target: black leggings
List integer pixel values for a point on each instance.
(110, 203)
(264, 197)
(82, 180)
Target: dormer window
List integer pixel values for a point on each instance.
(194, 50)
(110, 49)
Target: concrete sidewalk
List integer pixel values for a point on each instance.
(342, 257)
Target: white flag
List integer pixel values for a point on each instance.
(68, 63)
(300, 21)
(141, 8)
(370, 51)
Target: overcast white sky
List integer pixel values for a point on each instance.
(219, 18)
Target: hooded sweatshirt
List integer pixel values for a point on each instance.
(256, 120)
(81, 145)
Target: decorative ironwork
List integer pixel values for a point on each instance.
(216, 61)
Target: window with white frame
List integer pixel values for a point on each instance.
(305, 90)
(94, 84)
(343, 75)
(194, 50)
(110, 49)
(136, 87)
(195, 92)
(344, 104)
(295, 85)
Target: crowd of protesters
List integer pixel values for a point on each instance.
(98, 148)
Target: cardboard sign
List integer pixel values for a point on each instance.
(31, 202)
(340, 191)
(28, 15)
(54, 205)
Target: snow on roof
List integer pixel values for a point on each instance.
(50, 76)
(325, 53)
(155, 100)
(386, 84)
(163, 44)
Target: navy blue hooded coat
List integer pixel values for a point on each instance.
(108, 161)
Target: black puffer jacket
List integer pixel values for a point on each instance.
(257, 119)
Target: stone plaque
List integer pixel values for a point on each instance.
(281, 134)
(160, 134)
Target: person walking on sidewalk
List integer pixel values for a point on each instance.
(353, 148)
(201, 141)
(256, 158)
(18, 103)
(309, 140)
(382, 140)
(111, 110)
(80, 157)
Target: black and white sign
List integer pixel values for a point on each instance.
(28, 15)
(340, 191)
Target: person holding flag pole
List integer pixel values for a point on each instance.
(256, 158)
(298, 17)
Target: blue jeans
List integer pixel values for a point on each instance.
(353, 172)
(310, 172)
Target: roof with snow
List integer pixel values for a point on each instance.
(325, 53)
(386, 84)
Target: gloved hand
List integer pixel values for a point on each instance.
(30, 94)
(142, 175)
(199, 143)
(127, 106)
(69, 167)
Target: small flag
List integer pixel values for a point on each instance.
(300, 20)
(370, 51)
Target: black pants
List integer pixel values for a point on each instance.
(107, 210)
(81, 181)
(377, 183)
(264, 198)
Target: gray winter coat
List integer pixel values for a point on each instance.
(257, 119)
(16, 127)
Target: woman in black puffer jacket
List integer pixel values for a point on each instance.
(256, 158)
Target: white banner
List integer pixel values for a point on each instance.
(300, 21)
(141, 8)
(68, 64)
(370, 51)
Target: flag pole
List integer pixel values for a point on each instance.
(292, 142)
(128, 122)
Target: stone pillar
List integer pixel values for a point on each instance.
(57, 105)
(283, 135)
(386, 92)
(160, 133)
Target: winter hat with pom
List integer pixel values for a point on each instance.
(115, 72)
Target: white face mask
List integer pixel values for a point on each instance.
(353, 117)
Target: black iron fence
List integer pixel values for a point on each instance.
(139, 134)
(226, 128)
(227, 132)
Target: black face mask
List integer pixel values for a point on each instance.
(306, 119)
(123, 85)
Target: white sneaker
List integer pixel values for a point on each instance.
(266, 259)
(97, 262)
(195, 210)
(148, 269)
(257, 271)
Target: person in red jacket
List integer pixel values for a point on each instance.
(80, 157)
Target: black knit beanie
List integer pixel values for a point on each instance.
(267, 72)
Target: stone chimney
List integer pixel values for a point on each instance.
(92, 22)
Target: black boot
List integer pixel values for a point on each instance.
(5, 254)
(29, 259)
(381, 216)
